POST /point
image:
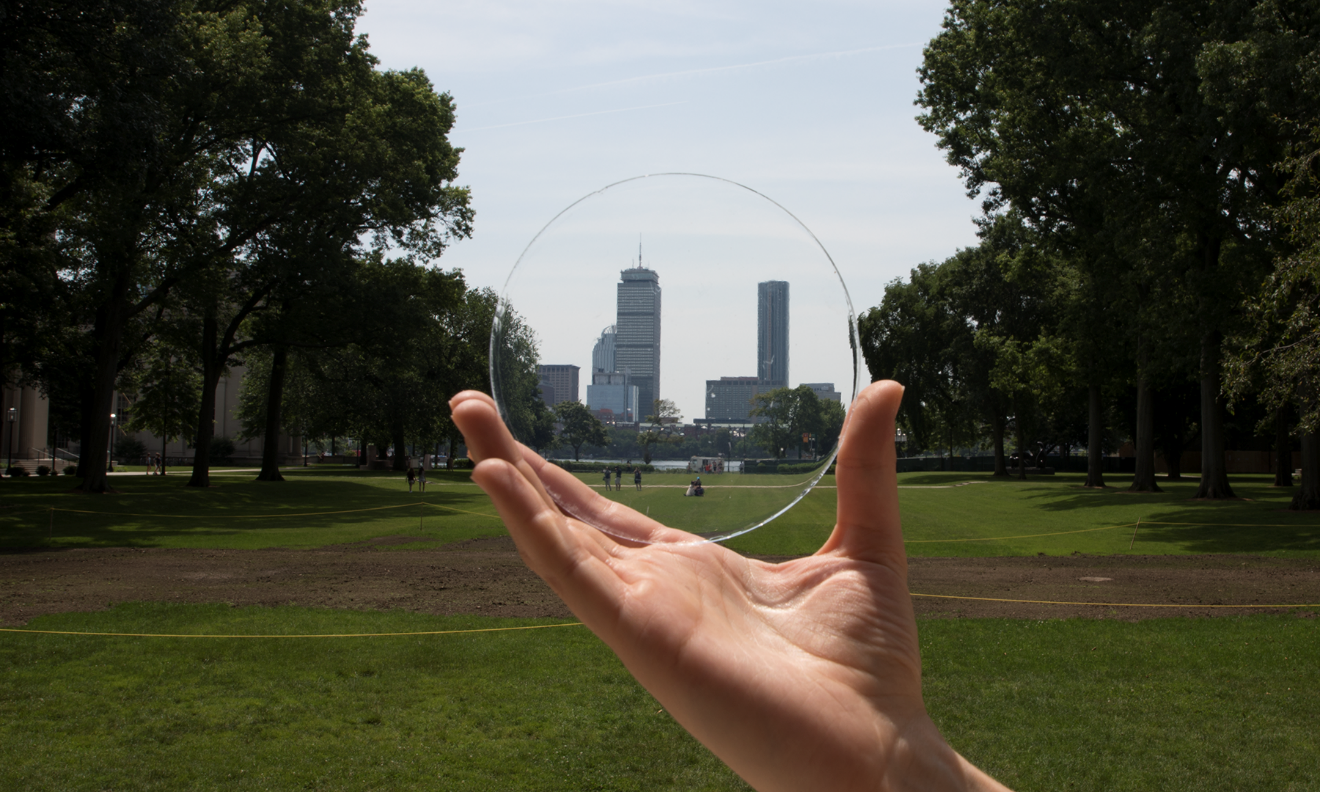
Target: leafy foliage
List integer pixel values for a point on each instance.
(579, 427)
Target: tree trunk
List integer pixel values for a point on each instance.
(201, 472)
(1214, 470)
(1308, 497)
(1022, 450)
(1173, 460)
(1144, 480)
(270, 443)
(400, 449)
(1282, 449)
(84, 430)
(1095, 455)
(997, 429)
(164, 460)
(110, 332)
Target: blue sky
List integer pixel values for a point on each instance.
(810, 104)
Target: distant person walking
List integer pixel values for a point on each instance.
(618, 476)
(637, 478)
(412, 476)
(421, 478)
(607, 478)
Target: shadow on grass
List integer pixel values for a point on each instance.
(305, 509)
(1217, 533)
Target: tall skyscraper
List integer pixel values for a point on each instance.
(772, 333)
(637, 334)
(602, 356)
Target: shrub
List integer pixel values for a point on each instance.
(130, 449)
(70, 470)
(222, 451)
(596, 467)
(17, 472)
(798, 467)
(43, 470)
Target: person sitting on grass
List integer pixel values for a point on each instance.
(800, 675)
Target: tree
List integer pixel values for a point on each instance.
(168, 391)
(579, 427)
(515, 381)
(380, 166)
(914, 336)
(1281, 346)
(149, 156)
(792, 416)
(980, 335)
(661, 423)
(832, 417)
(1101, 118)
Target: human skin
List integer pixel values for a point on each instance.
(803, 675)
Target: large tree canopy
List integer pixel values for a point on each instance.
(1132, 136)
(203, 162)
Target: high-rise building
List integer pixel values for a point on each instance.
(612, 391)
(602, 356)
(825, 390)
(730, 398)
(637, 333)
(559, 383)
(772, 333)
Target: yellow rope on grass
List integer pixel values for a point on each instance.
(317, 635)
(579, 624)
(1225, 525)
(1106, 528)
(1107, 604)
(1023, 536)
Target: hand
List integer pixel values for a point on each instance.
(801, 675)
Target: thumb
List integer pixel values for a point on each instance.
(868, 525)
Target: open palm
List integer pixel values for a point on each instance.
(801, 675)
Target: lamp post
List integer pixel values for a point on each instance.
(110, 466)
(13, 416)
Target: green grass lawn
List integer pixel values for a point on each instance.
(318, 507)
(1055, 515)
(1211, 704)
(1225, 703)
(311, 508)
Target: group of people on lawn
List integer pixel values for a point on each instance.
(618, 477)
(417, 475)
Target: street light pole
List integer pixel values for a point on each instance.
(110, 462)
(13, 416)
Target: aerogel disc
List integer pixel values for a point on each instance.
(689, 326)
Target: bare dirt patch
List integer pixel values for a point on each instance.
(486, 576)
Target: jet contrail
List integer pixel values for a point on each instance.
(735, 67)
(710, 70)
(577, 115)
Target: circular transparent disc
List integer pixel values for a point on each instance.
(702, 325)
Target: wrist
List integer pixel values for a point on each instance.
(924, 760)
